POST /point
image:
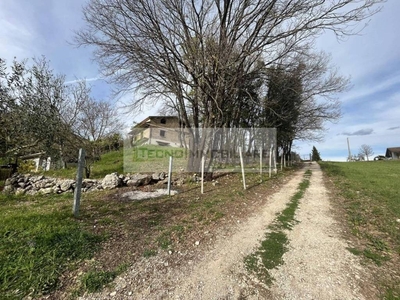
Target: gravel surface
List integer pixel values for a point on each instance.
(139, 195)
(317, 266)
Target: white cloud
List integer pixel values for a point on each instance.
(361, 92)
(366, 131)
(85, 79)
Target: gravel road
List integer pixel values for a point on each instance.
(317, 265)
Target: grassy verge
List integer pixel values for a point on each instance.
(369, 193)
(109, 163)
(39, 240)
(269, 254)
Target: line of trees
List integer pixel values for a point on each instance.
(315, 156)
(224, 63)
(39, 113)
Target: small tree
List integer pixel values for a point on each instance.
(366, 150)
(315, 154)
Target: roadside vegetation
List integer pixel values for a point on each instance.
(44, 250)
(369, 194)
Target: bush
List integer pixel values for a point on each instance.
(27, 166)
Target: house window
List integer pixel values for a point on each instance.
(163, 121)
(162, 133)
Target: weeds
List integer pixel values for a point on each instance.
(269, 254)
(94, 281)
(149, 253)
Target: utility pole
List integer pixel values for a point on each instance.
(348, 146)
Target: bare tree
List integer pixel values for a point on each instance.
(366, 150)
(300, 98)
(320, 85)
(196, 53)
(97, 120)
(95, 123)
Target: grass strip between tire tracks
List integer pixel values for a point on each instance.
(269, 254)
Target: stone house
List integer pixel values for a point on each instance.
(161, 131)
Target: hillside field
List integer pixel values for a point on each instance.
(368, 193)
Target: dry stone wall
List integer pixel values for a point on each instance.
(28, 184)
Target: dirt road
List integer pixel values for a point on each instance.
(317, 265)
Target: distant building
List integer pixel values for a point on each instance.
(160, 130)
(393, 152)
(41, 161)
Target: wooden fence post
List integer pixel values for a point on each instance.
(261, 168)
(78, 184)
(202, 174)
(169, 175)
(241, 163)
(270, 161)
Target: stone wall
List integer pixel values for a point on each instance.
(21, 184)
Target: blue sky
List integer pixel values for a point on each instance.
(371, 109)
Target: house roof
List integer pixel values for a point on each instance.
(142, 123)
(392, 150)
(153, 117)
(33, 155)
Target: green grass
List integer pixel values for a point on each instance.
(39, 240)
(95, 280)
(109, 163)
(269, 254)
(371, 193)
(152, 158)
(149, 252)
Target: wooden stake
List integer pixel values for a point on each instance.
(261, 170)
(241, 163)
(202, 174)
(270, 160)
(169, 175)
(78, 184)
